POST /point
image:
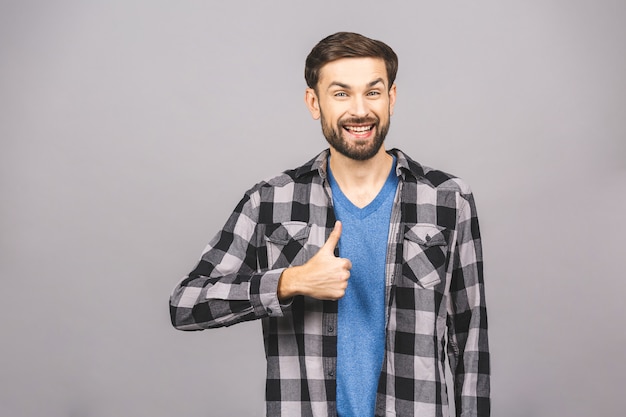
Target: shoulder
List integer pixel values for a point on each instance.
(440, 180)
(303, 176)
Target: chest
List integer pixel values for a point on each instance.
(419, 240)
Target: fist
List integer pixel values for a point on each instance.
(325, 276)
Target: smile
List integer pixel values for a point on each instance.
(358, 129)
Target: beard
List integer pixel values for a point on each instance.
(359, 150)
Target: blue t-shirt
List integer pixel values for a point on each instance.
(361, 316)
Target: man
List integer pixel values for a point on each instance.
(362, 264)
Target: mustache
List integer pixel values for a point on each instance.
(359, 121)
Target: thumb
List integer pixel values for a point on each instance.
(333, 239)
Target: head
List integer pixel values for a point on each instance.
(351, 89)
(348, 45)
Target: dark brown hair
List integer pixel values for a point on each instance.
(348, 45)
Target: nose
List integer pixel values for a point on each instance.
(359, 106)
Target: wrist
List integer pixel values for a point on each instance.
(286, 288)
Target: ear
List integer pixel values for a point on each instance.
(392, 98)
(312, 103)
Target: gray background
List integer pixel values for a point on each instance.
(130, 129)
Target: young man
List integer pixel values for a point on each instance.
(360, 263)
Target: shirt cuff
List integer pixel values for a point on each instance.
(264, 294)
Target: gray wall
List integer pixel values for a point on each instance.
(130, 129)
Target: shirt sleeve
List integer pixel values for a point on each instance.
(468, 346)
(225, 287)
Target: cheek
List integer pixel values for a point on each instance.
(334, 110)
(330, 118)
(385, 110)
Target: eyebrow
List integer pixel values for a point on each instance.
(347, 87)
(376, 81)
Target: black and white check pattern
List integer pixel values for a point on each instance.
(434, 289)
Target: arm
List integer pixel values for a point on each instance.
(468, 346)
(225, 287)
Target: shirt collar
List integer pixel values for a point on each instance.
(404, 165)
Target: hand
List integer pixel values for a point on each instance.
(324, 276)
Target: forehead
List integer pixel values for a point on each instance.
(353, 71)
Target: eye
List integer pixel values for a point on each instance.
(373, 93)
(341, 94)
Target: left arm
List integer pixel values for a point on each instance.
(468, 346)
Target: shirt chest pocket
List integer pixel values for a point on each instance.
(286, 244)
(425, 253)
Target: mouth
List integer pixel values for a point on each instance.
(359, 131)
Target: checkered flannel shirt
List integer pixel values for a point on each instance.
(434, 289)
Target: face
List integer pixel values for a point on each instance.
(355, 104)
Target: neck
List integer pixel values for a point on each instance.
(360, 181)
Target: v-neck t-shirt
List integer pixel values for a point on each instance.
(361, 311)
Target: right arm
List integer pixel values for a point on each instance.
(225, 287)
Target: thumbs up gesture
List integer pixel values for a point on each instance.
(324, 276)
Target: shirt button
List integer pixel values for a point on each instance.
(331, 329)
(331, 373)
(269, 311)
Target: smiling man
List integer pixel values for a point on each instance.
(362, 264)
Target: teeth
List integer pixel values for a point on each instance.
(359, 128)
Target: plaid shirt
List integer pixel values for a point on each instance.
(434, 288)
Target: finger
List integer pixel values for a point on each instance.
(348, 264)
(333, 239)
